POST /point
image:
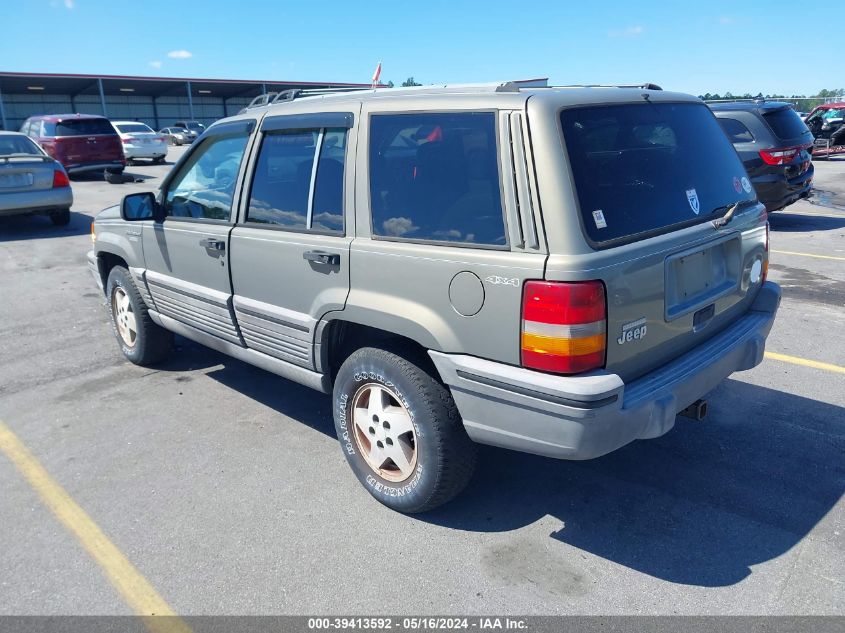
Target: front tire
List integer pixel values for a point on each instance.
(140, 339)
(400, 431)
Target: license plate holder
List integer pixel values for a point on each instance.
(699, 276)
(10, 181)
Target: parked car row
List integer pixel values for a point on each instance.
(35, 163)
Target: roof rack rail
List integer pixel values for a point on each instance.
(296, 93)
(645, 86)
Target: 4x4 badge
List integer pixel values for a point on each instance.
(502, 281)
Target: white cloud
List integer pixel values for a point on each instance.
(68, 4)
(631, 31)
(155, 64)
(180, 54)
(726, 19)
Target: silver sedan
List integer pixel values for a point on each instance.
(31, 182)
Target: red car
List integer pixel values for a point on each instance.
(80, 142)
(827, 123)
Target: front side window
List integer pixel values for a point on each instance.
(282, 193)
(435, 177)
(205, 186)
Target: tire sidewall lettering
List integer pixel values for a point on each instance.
(378, 486)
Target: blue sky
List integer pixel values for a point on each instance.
(699, 47)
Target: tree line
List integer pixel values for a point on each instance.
(801, 102)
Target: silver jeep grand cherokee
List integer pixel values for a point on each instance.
(553, 270)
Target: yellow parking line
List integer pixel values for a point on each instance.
(840, 259)
(795, 360)
(136, 591)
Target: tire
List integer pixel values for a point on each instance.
(60, 217)
(113, 177)
(158, 160)
(435, 456)
(130, 161)
(150, 343)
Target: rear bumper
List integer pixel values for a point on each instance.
(776, 191)
(588, 416)
(35, 201)
(147, 151)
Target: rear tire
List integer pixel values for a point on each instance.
(140, 339)
(60, 217)
(386, 406)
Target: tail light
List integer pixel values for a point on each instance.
(128, 140)
(564, 326)
(780, 156)
(60, 179)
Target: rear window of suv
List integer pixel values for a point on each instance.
(80, 127)
(645, 169)
(785, 123)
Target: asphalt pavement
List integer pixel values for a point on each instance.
(225, 487)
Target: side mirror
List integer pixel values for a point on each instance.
(140, 206)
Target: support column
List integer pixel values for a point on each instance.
(264, 89)
(155, 114)
(102, 97)
(190, 102)
(225, 108)
(2, 112)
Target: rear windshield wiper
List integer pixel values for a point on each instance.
(718, 223)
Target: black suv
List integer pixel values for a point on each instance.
(775, 145)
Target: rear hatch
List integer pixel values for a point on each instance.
(22, 166)
(83, 140)
(649, 179)
(793, 139)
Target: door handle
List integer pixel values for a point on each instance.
(321, 257)
(213, 245)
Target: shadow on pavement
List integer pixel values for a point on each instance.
(698, 506)
(25, 227)
(305, 405)
(796, 222)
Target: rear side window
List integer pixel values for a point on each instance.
(435, 177)
(282, 190)
(786, 124)
(644, 169)
(83, 127)
(736, 131)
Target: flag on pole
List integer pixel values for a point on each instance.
(376, 75)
